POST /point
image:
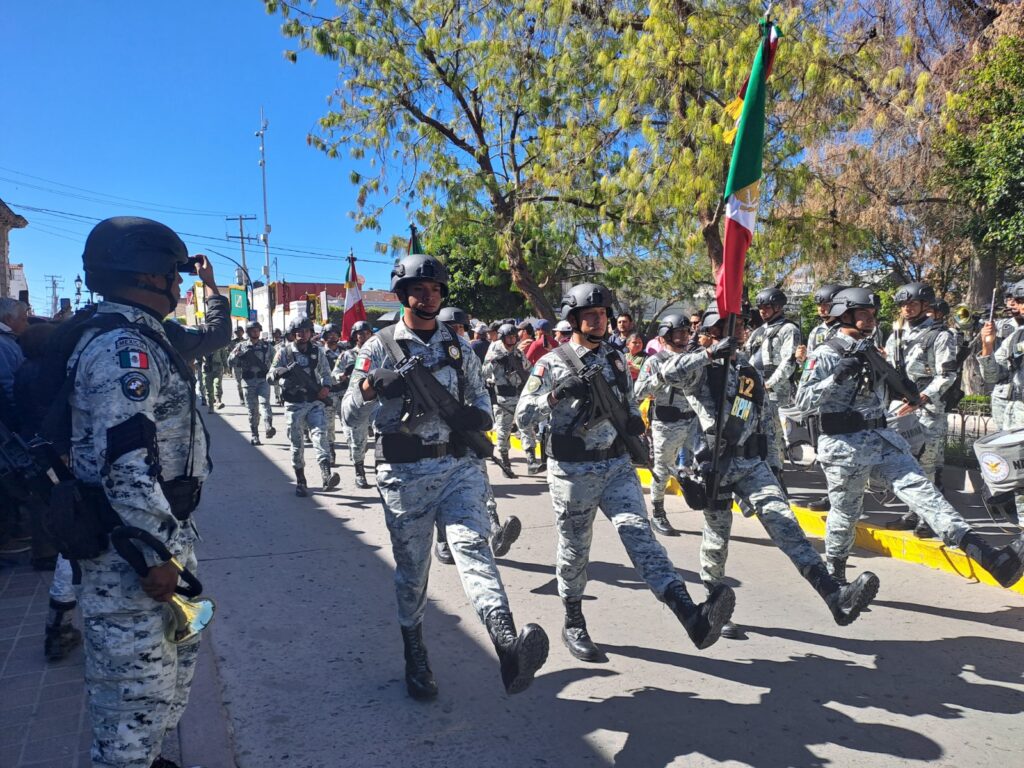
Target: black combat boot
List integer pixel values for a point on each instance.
(419, 679)
(520, 655)
(907, 522)
(729, 630)
(60, 637)
(300, 482)
(271, 432)
(255, 439)
(820, 505)
(659, 520)
(845, 602)
(1005, 564)
(506, 536)
(506, 465)
(704, 622)
(441, 549)
(361, 475)
(575, 634)
(922, 530)
(532, 464)
(330, 479)
(837, 568)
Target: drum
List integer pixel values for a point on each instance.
(1001, 457)
(799, 448)
(909, 428)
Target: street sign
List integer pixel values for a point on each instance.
(239, 302)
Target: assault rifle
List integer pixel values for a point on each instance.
(298, 378)
(900, 386)
(605, 406)
(427, 397)
(29, 470)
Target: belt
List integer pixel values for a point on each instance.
(670, 414)
(848, 422)
(507, 390)
(400, 448)
(571, 448)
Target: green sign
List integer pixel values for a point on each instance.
(239, 303)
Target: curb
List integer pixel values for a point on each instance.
(899, 545)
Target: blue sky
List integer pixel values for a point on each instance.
(157, 103)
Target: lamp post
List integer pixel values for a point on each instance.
(78, 291)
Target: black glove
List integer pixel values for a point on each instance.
(635, 426)
(571, 386)
(847, 368)
(386, 383)
(474, 418)
(724, 349)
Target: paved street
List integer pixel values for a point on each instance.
(309, 657)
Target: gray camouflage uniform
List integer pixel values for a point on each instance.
(137, 681)
(771, 348)
(821, 333)
(1001, 384)
(1005, 368)
(303, 414)
(673, 423)
(850, 460)
(254, 380)
(415, 493)
(332, 411)
(578, 488)
(357, 432)
(502, 369)
(748, 479)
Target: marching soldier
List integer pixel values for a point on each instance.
(213, 378)
(251, 360)
(1005, 327)
(360, 333)
(926, 353)
(137, 441)
(333, 351)
(235, 373)
(745, 474)
(505, 371)
(423, 472)
(589, 468)
(856, 443)
(672, 419)
(301, 368)
(771, 348)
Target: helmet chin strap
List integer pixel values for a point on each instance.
(165, 291)
(423, 314)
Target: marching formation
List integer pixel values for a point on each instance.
(709, 402)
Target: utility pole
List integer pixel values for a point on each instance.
(265, 237)
(242, 274)
(56, 283)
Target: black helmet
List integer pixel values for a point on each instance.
(710, 317)
(253, 324)
(852, 298)
(914, 292)
(942, 307)
(299, 323)
(827, 292)
(585, 296)
(1016, 290)
(453, 315)
(672, 322)
(133, 244)
(360, 325)
(772, 297)
(415, 267)
(506, 330)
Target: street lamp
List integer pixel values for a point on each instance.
(78, 291)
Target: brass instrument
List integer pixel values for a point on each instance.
(963, 318)
(185, 614)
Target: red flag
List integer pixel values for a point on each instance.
(354, 309)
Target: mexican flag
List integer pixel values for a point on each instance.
(742, 190)
(354, 309)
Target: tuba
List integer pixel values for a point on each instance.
(185, 614)
(963, 318)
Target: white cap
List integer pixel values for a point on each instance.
(563, 327)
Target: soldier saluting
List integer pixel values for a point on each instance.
(589, 467)
(424, 472)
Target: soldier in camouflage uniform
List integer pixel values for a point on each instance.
(589, 468)
(505, 371)
(251, 361)
(304, 404)
(926, 352)
(857, 443)
(135, 430)
(360, 333)
(332, 409)
(213, 378)
(1002, 384)
(673, 422)
(422, 474)
(744, 472)
(771, 348)
(235, 373)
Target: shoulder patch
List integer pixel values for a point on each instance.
(538, 370)
(809, 364)
(135, 386)
(454, 351)
(363, 363)
(133, 358)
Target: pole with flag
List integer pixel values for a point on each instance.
(354, 309)
(742, 194)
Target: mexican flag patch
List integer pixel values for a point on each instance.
(133, 358)
(363, 364)
(809, 365)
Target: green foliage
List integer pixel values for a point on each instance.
(984, 148)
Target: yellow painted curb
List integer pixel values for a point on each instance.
(900, 545)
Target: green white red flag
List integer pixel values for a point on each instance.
(354, 309)
(742, 190)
